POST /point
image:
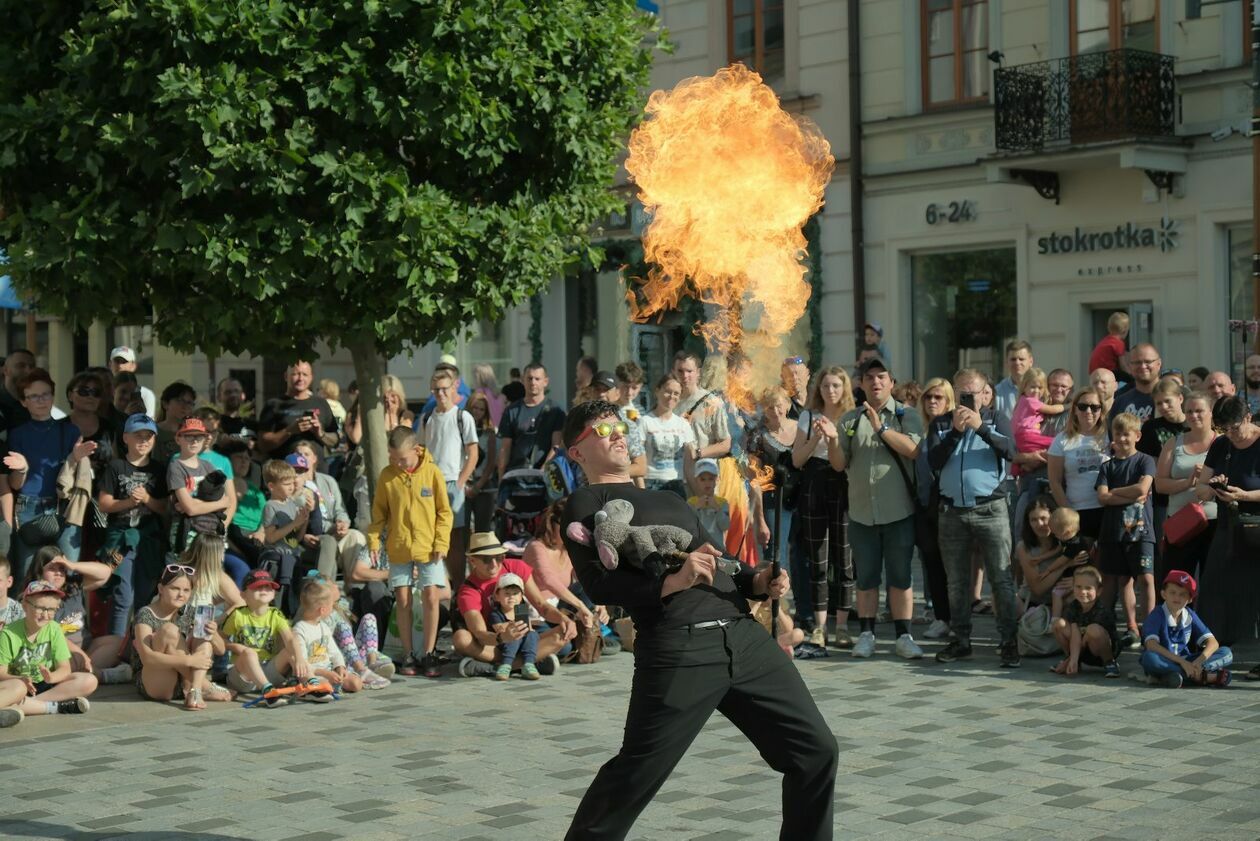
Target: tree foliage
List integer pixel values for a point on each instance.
(262, 174)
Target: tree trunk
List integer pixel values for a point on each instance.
(368, 370)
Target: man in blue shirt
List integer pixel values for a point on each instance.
(971, 456)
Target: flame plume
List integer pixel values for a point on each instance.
(729, 178)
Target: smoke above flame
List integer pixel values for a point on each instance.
(729, 178)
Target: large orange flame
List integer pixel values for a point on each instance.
(728, 178)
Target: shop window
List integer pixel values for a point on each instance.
(1241, 292)
(963, 311)
(755, 36)
(955, 46)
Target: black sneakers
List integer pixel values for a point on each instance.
(73, 706)
(956, 650)
(430, 665)
(1009, 656)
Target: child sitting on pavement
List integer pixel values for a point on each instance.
(712, 510)
(1087, 629)
(255, 634)
(508, 593)
(75, 579)
(1179, 646)
(315, 638)
(360, 648)
(35, 675)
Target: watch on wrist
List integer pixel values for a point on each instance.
(883, 428)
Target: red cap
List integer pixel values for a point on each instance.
(192, 426)
(42, 588)
(259, 579)
(1182, 579)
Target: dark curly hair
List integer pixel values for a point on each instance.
(582, 414)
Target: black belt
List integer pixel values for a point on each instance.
(711, 624)
(980, 500)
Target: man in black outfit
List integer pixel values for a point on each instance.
(697, 649)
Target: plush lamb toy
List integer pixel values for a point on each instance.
(616, 540)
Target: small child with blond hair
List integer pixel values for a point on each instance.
(1030, 412)
(317, 601)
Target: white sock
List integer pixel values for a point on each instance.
(50, 707)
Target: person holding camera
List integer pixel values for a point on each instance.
(300, 415)
(697, 650)
(970, 456)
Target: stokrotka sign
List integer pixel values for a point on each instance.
(1128, 235)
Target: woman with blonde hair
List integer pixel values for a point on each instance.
(394, 402)
(823, 506)
(937, 399)
(330, 391)
(1076, 456)
(487, 386)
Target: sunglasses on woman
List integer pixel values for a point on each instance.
(88, 391)
(603, 429)
(174, 571)
(1089, 407)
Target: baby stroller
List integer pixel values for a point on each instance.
(522, 500)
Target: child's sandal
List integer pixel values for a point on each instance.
(218, 693)
(193, 700)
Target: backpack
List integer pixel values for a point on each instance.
(1033, 636)
(563, 476)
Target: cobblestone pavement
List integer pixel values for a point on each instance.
(965, 751)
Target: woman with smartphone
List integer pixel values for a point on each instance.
(1230, 593)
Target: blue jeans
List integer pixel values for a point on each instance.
(506, 652)
(26, 509)
(988, 527)
(1157, 664)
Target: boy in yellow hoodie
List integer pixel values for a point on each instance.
(411, 500)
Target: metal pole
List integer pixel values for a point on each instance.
(780, 474)
(857, 222)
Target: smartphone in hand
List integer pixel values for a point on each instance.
(522, 613)
(203, 615)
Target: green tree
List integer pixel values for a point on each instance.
(261, 175)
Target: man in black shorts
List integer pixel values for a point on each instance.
(696, 650)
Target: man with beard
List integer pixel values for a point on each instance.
(697, 650)
(1145, 365)
(231, 397)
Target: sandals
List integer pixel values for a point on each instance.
(193, 701)
(218, 693)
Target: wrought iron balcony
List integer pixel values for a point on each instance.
(1084, 99)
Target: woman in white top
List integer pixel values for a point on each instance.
(668, 440)
(1179, 472)
(1076, 456)
(823, 505)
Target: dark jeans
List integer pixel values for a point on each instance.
(134, 581)
(526, 647)
(680, 678)
(988, 528)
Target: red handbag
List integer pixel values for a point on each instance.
(1184, 526)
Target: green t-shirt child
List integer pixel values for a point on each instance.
(24, 656)
(261, 633)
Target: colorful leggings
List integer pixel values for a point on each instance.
(357, 647)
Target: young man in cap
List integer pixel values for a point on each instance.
(123, 358)
(476, 640)
(697, 649)
(877, 443)
(35, 675)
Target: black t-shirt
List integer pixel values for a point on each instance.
(512, 392)
(1135, 403)
(283, 411)
(638, 590)
(1133, 522)
(121, 477)
(235, 426)
(1098, 614)
(1155, 433)
(1241, 466)
(12, 412)
(531, 429)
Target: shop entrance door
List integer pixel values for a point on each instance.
(1141, 322)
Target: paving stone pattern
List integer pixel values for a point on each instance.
(965, 751)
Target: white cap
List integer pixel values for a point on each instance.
(509, 579)
(448, 359)
(124, 353)
(707, 465)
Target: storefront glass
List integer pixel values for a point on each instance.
(964, 311)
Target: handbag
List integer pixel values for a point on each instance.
(1185, 525)
(588, 645)
(1033, 636)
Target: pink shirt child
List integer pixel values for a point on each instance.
(1026, 427)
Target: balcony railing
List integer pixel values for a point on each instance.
(1084, 99)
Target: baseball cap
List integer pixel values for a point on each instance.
(139, 422)
(192, 426)
(42, 588)
(298, 461)
(870, 365)
(258, 579)
(604, 380)
(706, 465)
(448, 359)
(509, 579)
(874, 325)
(124, 353)
(1182, 579)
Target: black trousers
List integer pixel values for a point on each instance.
(680, 678)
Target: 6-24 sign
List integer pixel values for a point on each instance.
(955, 211)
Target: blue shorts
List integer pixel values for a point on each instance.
(458, 510)
(416, 574)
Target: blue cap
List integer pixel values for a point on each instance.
(297, 460)
(874, 325)
(140, 422)
(707, 465)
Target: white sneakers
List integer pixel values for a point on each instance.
(938, 630)
(905, 647)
